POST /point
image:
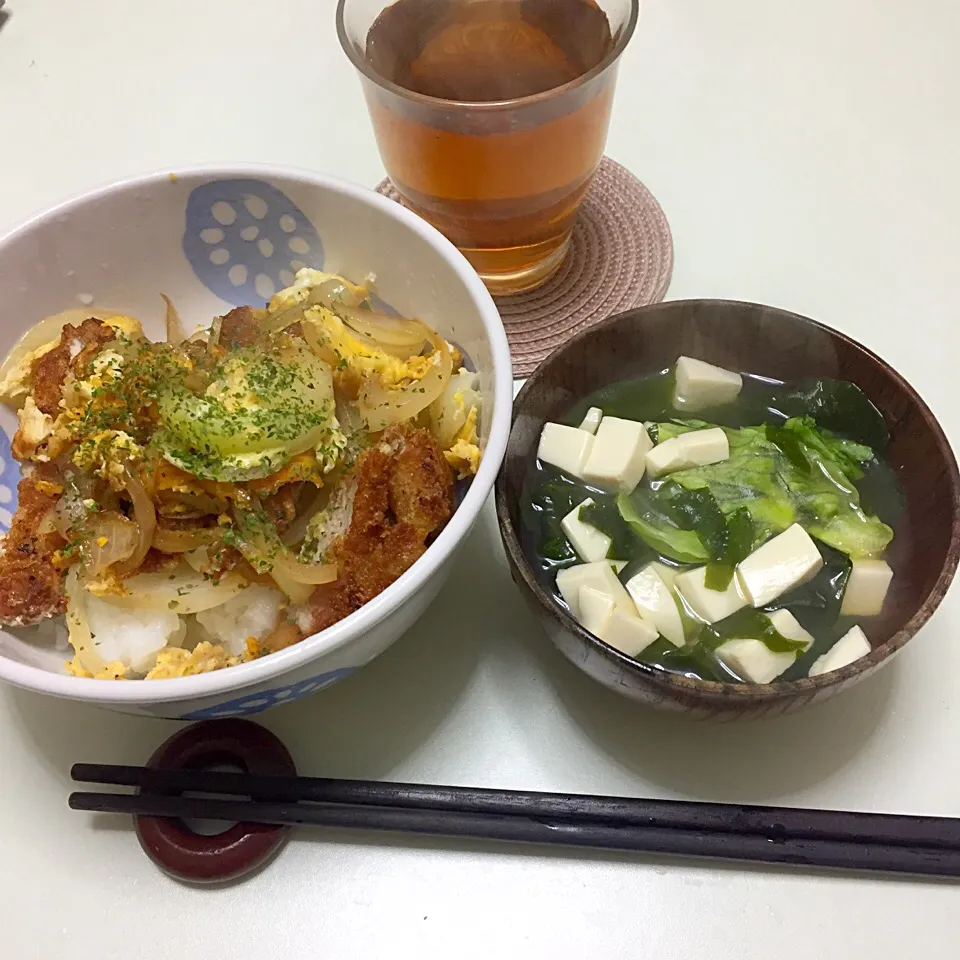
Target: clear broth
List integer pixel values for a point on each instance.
(835, 406)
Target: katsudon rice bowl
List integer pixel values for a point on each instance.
(247, 417)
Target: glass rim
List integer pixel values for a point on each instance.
(363, 66)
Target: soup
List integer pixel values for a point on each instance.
(721, 525)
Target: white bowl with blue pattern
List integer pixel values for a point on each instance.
(211, 239)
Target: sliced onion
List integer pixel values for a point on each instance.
(326, 342)
(385, 330)
(377, 331)
(383, 406)
(78, 628)
(314, 574)
(324, 294)
(401, 353)
(184, 592)
(68, 512)
(340, 292)
(287, 317)
(176, 333)
(47, 523)
(274, 558)
(306, 509)
(180, 541)
(296, 592)
(448, 415)
(146, 519)
(284, 567)
(198, 559)
(189, 506)
(114, 539)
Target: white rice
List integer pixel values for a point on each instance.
(134, 638)
(254, 612)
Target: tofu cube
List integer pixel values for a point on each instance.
(618, 457)
(866, 589)
(656, 603)
(629, 635)
(598, 575)
(592, 420)
(590, 543)
(566, 448)
(596, 609)
(624, 631)
(617, 565)
(667, 574)
(788, 560)
(850, 647)
(696, 449)
(786, 624)
(753, 660)
(701, 385)
(709, 605)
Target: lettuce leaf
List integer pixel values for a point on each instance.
(647, 516)
(779, 475)
(750, 479)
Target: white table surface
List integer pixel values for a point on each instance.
(806, 155)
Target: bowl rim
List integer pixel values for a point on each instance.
(730, 691)
(247, 675)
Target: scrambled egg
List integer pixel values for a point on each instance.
(455, 418)
(107, 368)
(128, 326)
(171, 662)
(111, 671)
(233, 389)
(16, 384)
(351, 358)
(304, 466)
(353, 361)
(41, 437)
(304, 282)
(166, 478)
(464, 455)
(105, 452)
(177, 662)
(36, 427)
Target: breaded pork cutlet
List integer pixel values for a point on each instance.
(402, 494)
(31, 587)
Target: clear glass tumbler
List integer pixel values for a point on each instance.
(491, 117)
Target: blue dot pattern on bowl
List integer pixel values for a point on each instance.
(9, 478)
(265, 699)
(245, 239)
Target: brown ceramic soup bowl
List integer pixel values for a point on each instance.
(772, 343)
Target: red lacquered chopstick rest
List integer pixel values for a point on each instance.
(244, 847)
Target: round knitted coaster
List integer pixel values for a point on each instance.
(621, 256)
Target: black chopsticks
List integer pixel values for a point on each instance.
(928, 846)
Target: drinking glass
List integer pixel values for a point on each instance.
(491, 117)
